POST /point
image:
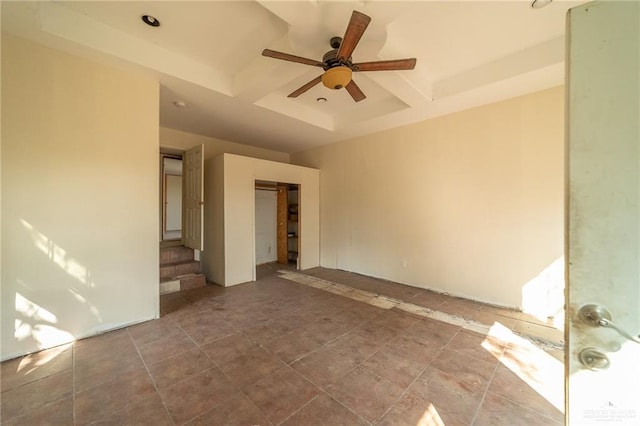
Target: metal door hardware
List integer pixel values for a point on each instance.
(593, 359)
(598, 316)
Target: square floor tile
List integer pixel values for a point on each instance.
(479, 346)
(29, 368)
(198, 394)
(150, 331)
(35, 395)
(395, 368)
(324, 410)
(436, 333)
(354, 347)
(143, 411)
(205, 330)
(473, 372)
(366, 394)
(254, 365)
(450, 393)
(288, 323)
(179, 367)
(375, 332)
(103, 347)
(174, 343)
(292, 346)
(413, 349)
(325, 330)
(228, 348)
(58, 413)
(281, 394)
(508, 385)
(111, 396)
(238, 410)
(99, 370)
(396, 319)
(323, 367)
(411, 410)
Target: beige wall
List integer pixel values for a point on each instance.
(80, 197)
(176, 139)
(213, 259)
(470, 203)
(231, 222)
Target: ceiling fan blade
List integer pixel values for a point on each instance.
(292, 58)
(355, 91)
(392, 65)
(355, 29)
(306, 87)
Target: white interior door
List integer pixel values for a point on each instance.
(603, 253)
(173, 188)
(193, 197)
(266, 226)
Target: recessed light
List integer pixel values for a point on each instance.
(539, 4)
(179, 104)
(321, 100)
(150, 20)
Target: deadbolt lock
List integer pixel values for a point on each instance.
(594, 359)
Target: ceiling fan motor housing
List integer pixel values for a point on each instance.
(337, 74)
(330, 60)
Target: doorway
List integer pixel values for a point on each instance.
(277, 216)
(171, 196)
(266, 224)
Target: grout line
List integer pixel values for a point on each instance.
(303, 405)
(155, 386)
(406, 390)
(484, 394)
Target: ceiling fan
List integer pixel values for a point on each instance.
(337, 64)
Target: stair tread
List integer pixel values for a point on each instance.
(180, 262)
(180, 277)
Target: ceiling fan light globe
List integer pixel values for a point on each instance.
(336, 77)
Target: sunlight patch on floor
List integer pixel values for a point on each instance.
(430, 417)
(30, 363)
(539, 370)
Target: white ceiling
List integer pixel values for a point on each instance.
(208, 55)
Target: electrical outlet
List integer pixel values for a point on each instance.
(404, 264)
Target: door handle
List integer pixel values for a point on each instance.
(598, 316)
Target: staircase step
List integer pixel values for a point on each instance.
(192, 281)
(175, 254)
(172, 270)
(182, 282)
(170, 286)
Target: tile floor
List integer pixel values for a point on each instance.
(278, 352)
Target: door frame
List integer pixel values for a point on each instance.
(165, 153)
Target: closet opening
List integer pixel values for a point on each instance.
(277, 224)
